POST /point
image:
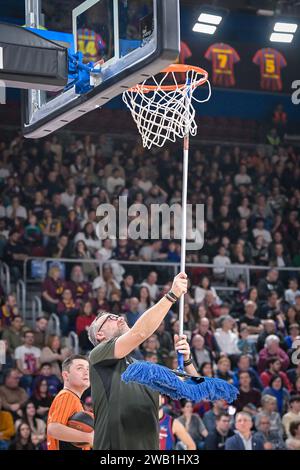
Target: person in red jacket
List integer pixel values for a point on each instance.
(273, 368)
(271, 349)
(83, 321)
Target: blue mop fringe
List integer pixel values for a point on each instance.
(164, 381)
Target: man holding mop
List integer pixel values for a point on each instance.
(126, 414)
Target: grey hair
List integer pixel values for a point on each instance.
(260, 415)
(267, 399)
(271, 339)
(94, 328)
(243, 413)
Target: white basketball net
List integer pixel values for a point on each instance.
(163, 115)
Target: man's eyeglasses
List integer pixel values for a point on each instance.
(109, 317)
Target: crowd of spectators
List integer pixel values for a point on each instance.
(50, 191)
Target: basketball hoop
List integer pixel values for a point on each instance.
(164, 111)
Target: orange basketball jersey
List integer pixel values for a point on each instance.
(64, 405)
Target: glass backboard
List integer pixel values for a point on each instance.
(135, 38)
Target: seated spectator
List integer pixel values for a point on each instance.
(164, 337)
(22, 440)
(128, 288)
(294, 374)
(37, 425)
(269, 407)
(280, 258)
(16, 209)
(272, 349)
(150, 283)
(200, 291)
(40, 332)
(52, 289)
(240, 297)
(170, 430)
(28, 359)
(244, 365)
(68, 197)
(245, 345)
(53, 382)
(250, 319)
(270, 328)
(61, 249)
(271, 308)
(89, 237)
(274, 368)
(14, 334)
(293, 442)
(200, 353)
(292, 415)
(216, 439)
(296, 389)
(81, 290)
(107, 281)
(144, 299)
(294, 333)
(41, 397)
(100, 303)
(210, 304)
(226, 338)
(224, 369)
(193, 424)
(248, 395)
(188, 320)
(114, 181)
(133, 313)
(260, 230)
(244, 439)
(81, 252)
(67, 311)
(71, 225)
(277, 390)
(272, 439)
(33, 236)
(58, 209)
(151, 345)
(220, 262)
(51, 229)
(210, 417)
(10, 362)
(15, 253)
(293, 290)
(209, 338)
(105, 253)
(12, 395)
(54, 354)
(269, 284)
(260, 254)
(83, 321)
(7, 430)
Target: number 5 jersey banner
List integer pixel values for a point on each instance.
(223, 58)
(271, 62)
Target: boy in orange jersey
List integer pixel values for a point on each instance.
(75, 372)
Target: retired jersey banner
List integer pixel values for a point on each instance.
(243, 66)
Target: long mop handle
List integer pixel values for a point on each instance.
(183, 235)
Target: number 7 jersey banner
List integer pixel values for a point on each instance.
(223, 58)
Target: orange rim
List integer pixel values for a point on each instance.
(174, 68)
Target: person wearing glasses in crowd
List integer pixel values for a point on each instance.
(122, 410)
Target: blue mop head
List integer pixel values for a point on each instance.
(166, 382)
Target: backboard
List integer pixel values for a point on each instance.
(135, 38)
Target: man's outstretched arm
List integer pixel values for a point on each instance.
(148, 323)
